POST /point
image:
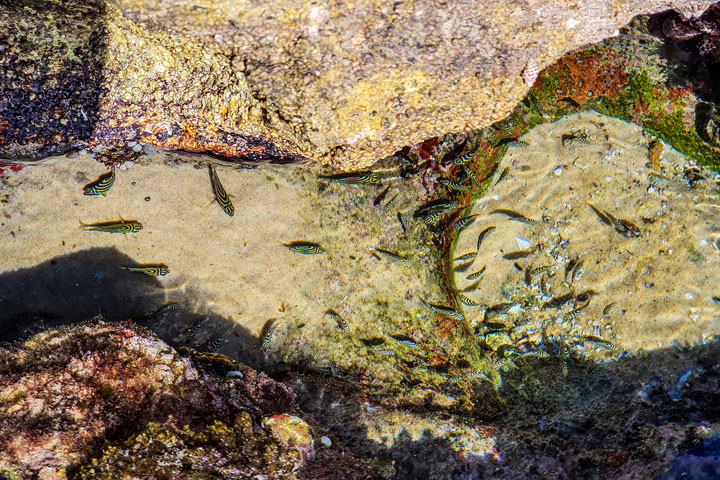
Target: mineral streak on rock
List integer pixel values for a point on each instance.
(76, 73)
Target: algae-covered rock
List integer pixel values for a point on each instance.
(102, 400)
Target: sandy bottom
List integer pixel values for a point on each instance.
(229, 275)
(662, 283)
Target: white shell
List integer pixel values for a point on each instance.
(530, 72)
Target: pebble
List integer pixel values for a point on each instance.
(558, 171)
(137, 147)
(325, 441)
(234, 374)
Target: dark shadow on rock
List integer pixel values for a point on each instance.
(692, 54)
(623, 419)
(51, 58)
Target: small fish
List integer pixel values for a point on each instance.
(442, 206)
(390, 203)
(471, 175)
(573, 139)
(519, 254)
(122, 226)
(433, 217)
(342, 323)
(464, 221)
(465, 257)
(577, 270)
(453, 185)
(378, 200)
(101, 185)
(624, 227)
(570, 266)
(466, 301)
(561, 301)
(477, 274)
(564, 352)
(542, 269)
(484, 234)
(505, 126)
(221, 197)
(602, 343)
(192, 331)
(353, 178)
(573, 313)
(466, 158)
(511, 142)
(217, 343)
(268, 336)
(405, 341)
(393, 257)
(402, 223)
(446, 311)
(544, 286)
(501, 308)
(535, 103)
(503, 174)
(608, 308)
(152, 270)
(165, 309)
(306, 248)
(518, 217)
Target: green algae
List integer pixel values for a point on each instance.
(219, 450)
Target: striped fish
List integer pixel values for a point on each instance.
(446, 311)
(511, 142)
(342, 323)
(220, 195)
(306, 248)
(538, 270)
(465, 257)
(464, 221)
(101, 185)
(192, 331)
(503, 174)
(268, 336)
(402, 222)
(471, 175)
(393, 257)
(433, 217)
(453, 185)
(152, 270)
(353, 178)
(467, 301)
(573, 313)
(466, 158)
(477, 274)
(484, 234)
(518, 217)
(608, 308)
(389, 204)
(217, 343)
(122, 226)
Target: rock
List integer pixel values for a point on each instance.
(345, 84)
(107, 399)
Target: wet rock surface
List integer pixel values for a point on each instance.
(98, 400)
(342, 84)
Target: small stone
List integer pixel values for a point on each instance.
(558, 171)
(137, 147)
(325, 441)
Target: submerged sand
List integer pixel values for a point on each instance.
(662, 283)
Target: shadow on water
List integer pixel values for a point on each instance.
(51, 58)
(625, 419)
(77, 287)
